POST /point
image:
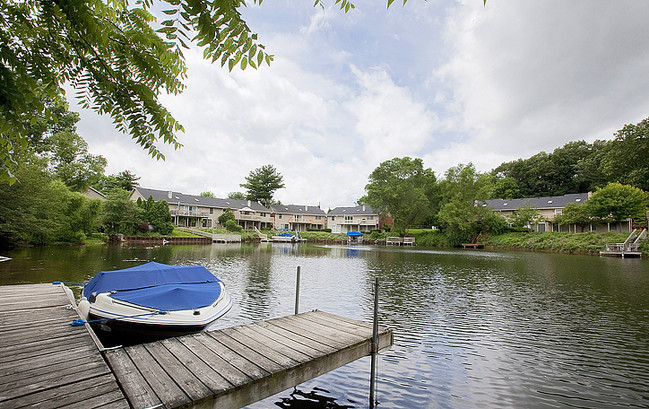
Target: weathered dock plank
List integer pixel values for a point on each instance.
(233, 367)
(45, 362)
(160, 382)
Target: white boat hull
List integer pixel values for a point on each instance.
(112, 315)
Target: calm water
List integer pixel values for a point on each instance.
(472, 328)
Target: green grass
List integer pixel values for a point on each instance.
(322, 236)
(95, 238)
(179, 233)
(246, 235)
(554, 241)
(428, 237)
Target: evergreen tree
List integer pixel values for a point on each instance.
(262, 183)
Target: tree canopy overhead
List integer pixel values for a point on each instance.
(116, 56)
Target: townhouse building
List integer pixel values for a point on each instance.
(354, 218)
(298, 217)
(199, 211)
(549, 207)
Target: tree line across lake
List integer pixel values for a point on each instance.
(617, 171)
(45, 203)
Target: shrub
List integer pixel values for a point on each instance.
(231, 225)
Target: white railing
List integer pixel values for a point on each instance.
(191, 213)
(628, 245)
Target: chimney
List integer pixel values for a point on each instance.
(363, 207)
(249, 203)
(306, 208)
(170, 194)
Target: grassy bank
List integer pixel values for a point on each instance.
(323, 236)
(428, 237)
(560, 242)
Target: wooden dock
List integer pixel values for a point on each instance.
(234, 367)
(400, 241)
(472, 245)
(48, 363)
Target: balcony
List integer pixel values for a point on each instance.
(253, 217)
(363, 222)
(188, 213)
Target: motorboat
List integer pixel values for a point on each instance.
(354, 237)
(154, 300)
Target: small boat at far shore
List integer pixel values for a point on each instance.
(154, 300)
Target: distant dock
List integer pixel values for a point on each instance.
(48, 363)
(400, 241)
(472, 246)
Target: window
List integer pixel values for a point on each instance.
(279, 216)
(558, 211)
(349, 218)
(370, 217)
(318, 217)
(262, 214)
(211, 211)
(333, 218)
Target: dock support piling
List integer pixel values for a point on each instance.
(297, 292)
(375, 343)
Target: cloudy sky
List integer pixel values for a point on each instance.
(449, 81)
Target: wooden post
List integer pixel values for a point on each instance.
(375, 342)
(297, 292)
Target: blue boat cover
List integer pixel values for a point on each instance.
(159, 286)
(354, 233)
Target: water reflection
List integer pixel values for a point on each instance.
(315, 399)
(472, 328)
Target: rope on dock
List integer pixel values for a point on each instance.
(66, 283)
(79, 322)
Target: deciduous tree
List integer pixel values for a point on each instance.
(461, 216)
(626, 157)
(403, 189)
(225, 216)
(526, 216)
(120, 214)
(617, 202)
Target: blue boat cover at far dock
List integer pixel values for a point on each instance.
(159, 286)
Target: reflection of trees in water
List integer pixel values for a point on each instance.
(307, 400)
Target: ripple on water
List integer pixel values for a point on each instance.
(472, 329)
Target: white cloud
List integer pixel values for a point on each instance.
(530, 76)
(450, 81)
(388, 119)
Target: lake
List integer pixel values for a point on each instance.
(471, 328)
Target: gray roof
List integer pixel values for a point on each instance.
(547, 202)
(194, 200)
(343, 211)
(298, 209)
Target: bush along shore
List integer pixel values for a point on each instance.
(579, 243)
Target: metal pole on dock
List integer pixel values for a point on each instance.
(297, 292)
(375, 342)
